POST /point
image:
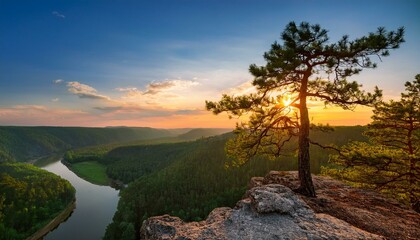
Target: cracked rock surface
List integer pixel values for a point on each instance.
(271, 210)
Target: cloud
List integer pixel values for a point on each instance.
(188, 112)
(57, 14)
(126, 89)
(130, 92)
(108, 109)
(244, 88)
(55, 100)
(133, 111)
(85, 91)
(38, 115)
(58, 81)
(159, 88)
(30, 107)
(156, 87)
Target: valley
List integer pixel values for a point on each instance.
(96, 201)
(193, 120)
(95, 207)
(182, 176)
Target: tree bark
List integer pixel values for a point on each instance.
(304, 169)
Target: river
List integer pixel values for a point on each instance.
(95, 207)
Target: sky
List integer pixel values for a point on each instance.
(154, 63)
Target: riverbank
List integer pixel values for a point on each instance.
(90, 171)
(94, 173)
(55, 222)
(96, 206)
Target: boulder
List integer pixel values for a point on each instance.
(272, 211)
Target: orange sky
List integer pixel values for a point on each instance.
(73, 64)
(38, 115)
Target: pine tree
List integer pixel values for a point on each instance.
(391, 161)
(304, 67)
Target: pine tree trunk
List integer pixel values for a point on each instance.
(306, 184)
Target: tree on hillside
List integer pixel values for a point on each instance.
(305, 67)
(391, 163)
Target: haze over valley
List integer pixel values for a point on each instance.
(209, 119)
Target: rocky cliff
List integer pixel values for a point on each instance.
(271, 210)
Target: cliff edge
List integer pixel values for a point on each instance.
(271, 210)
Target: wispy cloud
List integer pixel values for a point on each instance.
(155, 88)
(85, 91)
(55, 100)
(30, 107)
(58, 14)
(58, 81)
(126, 89)
(244, 88)
(108, 108)
(130, 92)
(131, 111)
(38, 115)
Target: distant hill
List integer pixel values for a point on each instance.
(131, 160)
(179, 131)
(23, 144)
(203, 132)
(27, 143)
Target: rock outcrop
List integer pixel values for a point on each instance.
(271, 210)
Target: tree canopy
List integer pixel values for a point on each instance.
(304, 67)
(391, 162)
(30, 198)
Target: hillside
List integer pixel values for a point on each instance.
(202, 133)
(28, 143)
(193, 184)
(128, 161)
(30, 198)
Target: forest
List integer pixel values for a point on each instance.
(149, 108)
(128, 161)
(167, 175)
(29, 198)
(24, 144)
(175, 175)
(189, 179)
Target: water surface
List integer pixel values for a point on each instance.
(95, 207)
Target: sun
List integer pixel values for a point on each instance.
(284, 101)
(287, 100)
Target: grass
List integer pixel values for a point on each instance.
(93, 172)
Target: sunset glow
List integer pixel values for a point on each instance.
(155, 64)
(287, 100)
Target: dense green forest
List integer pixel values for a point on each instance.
(28, 143)
(194, 179)
(166, 173)
(29, 198)
(129, 161)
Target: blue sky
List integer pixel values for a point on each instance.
(153, 63)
